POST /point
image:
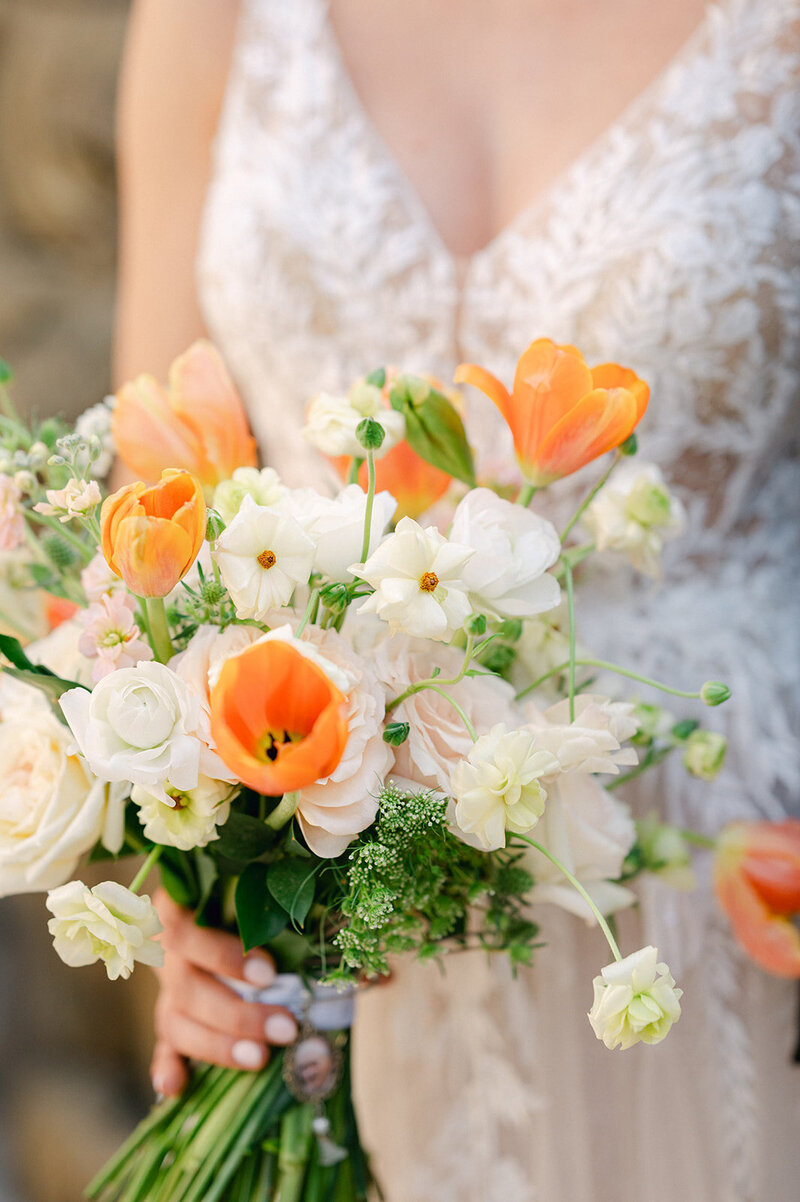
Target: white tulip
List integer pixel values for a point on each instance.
(635, 1001)
(263, 556)
(108, 923)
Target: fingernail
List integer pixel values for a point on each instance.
(259, 971)
(159, 1086)
(280, 1028)
(247, 1053)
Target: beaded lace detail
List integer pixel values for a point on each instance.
(672, 244)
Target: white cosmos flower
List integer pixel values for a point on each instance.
(635, 1001)
(498, 788)
(335, 525)
(189, 818)
(108, 923)
(332, 421)
(514, 548)
(635, 513)
(263, 556)
(417, 575)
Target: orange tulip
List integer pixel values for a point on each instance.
(414, 483)
(197, 423)
(277, 720)
(562, 414)
(151, 536)
(58, 610)
(757, 881)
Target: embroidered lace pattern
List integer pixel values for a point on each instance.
(671, 244)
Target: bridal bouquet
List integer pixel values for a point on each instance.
(341, 732)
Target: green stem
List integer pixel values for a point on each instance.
(698, 840)
(571, 612)
(284, 811)
(470, 728)
(158, 629)
(601, 663)
(605, 928)
(146, 868)
(436, 680)
(651, 760)
(355, 468)
(579, 512)
(307, 616)
(60, 528)
(8, 407)
(370, 502)
(525, 494)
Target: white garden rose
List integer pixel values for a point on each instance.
(590, 832)
(592, 741)
(513, 547)
(635, 1001)
(335, 525)
(52, 809)
(143, 725)
(189, 818)
(262, 556)
(108, 923)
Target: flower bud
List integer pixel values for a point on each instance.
(705, 753)
(396, 733)
(377, 378)
(370, 433)
(214, 525)
(681, 730)
(630, 446)
(25, 481)
(56, 461)
(335, 596)
(212, 592)
(475, 624)
(37, 455)
(58, 550)
(714, 692)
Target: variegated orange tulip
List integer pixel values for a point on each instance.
(562, 414)
(757, 881)
(277, 720)
(414, 483)
(196, 423)
(151, 536)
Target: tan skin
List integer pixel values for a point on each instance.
(518, 87)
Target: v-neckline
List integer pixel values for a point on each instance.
(461, 264)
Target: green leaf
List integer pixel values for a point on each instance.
(258, 914)
(291, 883)
(242, 838)
(177, 880)
(434, 429)
(6, 374)
(52, 686)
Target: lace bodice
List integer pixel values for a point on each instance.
(671, 244)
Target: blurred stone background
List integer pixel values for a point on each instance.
(73, 1047)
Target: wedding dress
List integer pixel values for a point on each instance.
(671, 244)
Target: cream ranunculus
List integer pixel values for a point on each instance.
(263, 486)
(635, 513)
(418, 579)
(190, 818)
(263, 556)
(52, 809)
(335, 525)
(142, 725)
(513, 547)
(590, 743)
(704, 754)
(498, 788)
(635, 1001)
(591, 833)
(108, 923)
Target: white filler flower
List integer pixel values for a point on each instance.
(189, 818)
(418, 579)
(108, 923)
(497, 787)
(514, 548)
(635, 1001)
(263, 555)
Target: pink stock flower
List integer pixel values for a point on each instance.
(111, 637)
(12, 522)
(98, 580)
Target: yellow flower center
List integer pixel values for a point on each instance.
(428, 582)
(270, 744)
(267, 559)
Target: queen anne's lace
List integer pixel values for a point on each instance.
(672, 244)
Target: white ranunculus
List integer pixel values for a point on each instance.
(635, 1001)
(141, 725)
(513, 547)
(189, 818)
(108, 923)
(418, 579)
(590, 832)
(332, 811)
(635, 513)
(498, 788)
(52, 809)
(591, 743)
(263, 556)
(335, 525)
(332, 421)
(263, 486)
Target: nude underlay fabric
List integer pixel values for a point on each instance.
(671, 244)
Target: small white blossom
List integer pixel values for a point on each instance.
(95, 422)
(75, 500)
(331, 422)
(635, 1001)
(108, 923)
(335, 525)
(189, 818)
(263, 556)
(498, 787)
(263, 486)
(705, 753)
(417, 575)
(635, 513)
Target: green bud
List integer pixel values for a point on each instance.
(475, 624)
(705, 753)
(498, 656)
(714, 692)
(59, 551)
(682, 730)
(370, 433)
(396, 733)
(649, 505)
(377, 378)
(56, 461)
(6, 374)
(212, 592)
(664, 850)
(511, 629)
(214, 525)
(335, 596)
(630, 446)
(50, 431)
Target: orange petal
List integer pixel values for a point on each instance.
(119, 505)
(204, 397)
(479, 377)
(599, 422)
(152, 555)
(548, 382)
(611, 375)
(771, 863)
(150, 436)
(772, 941)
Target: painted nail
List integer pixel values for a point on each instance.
(280, 1028)
(247, 1053)
(258, 971)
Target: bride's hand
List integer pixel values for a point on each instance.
(199, 1017)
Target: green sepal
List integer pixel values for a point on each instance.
(434, 429)
(258, 914)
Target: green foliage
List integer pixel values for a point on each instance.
(291, 883)
(258, 914)
(433, 428)
(33, 674)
